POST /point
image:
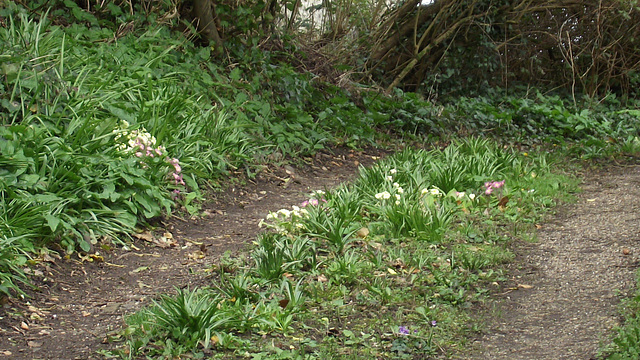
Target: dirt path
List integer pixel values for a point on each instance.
(79, 303)
(583, 262)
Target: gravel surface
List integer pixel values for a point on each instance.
(562, 302)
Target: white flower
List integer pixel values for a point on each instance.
(295, 208)
(284, 212)
(396, 185)
(435, 192)
(424, 191)
(383, 195)
(400, 190)
(397, 196)
(390, 178)
(393, 171)
(472, 196)
(397, 202)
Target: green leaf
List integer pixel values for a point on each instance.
(235, 74)
(85, 246)
(52, 221)
(109, 192)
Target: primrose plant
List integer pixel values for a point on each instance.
(424, 213)
(292, 221)
(141, 144)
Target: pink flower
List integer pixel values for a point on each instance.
(491, 185)
(313, 202)
(176, 164)
(178, 179)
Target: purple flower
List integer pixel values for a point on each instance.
(434, 323)
(403, 330)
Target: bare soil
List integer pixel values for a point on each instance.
(559, 303)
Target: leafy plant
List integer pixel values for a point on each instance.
(189, 318)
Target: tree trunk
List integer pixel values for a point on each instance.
(205, 12)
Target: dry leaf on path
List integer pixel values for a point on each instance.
(146, 236)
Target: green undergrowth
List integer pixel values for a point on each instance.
(625, 344)
(588, 129)
(388, 266)
(104, 131)
(106, 128)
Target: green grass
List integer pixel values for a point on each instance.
(320, 286)
(625, 344)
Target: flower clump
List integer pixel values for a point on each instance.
(433, 191)
(315, 200)
(492, 185)
(141, 144)
(396, 189)
(285, 221)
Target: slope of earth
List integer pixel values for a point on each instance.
(561, 301)
(80, 300)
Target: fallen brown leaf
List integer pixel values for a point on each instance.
(146, 236)
(362, 233)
